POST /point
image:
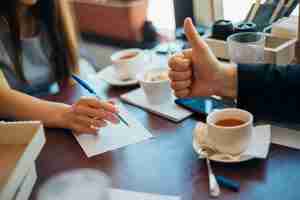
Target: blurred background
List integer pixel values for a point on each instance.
(126, 22)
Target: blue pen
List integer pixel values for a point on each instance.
(85, 85)
(228, 183)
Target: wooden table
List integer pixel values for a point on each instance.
(167, 164)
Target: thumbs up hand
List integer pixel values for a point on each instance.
(197, 72)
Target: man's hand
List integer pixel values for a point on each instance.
(197, 72)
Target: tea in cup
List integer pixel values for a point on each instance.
(229, 130)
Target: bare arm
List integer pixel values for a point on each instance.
(20, 106)
(197, 72)
(87, 115)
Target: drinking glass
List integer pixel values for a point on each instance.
(77, 184)
(246, 48)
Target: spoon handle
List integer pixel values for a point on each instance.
(214, 188)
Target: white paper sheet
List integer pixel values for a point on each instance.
(286, 137)
(169, 110)
(260, 142)
(114, 136)
(116, 194)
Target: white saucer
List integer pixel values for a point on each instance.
(108, 74)
(200, 128)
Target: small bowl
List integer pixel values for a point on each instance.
(157, 92)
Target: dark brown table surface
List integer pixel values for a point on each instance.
(167, 164)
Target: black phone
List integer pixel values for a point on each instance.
(203, 105)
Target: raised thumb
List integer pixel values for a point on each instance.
(193, 36)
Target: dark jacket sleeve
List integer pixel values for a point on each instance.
(270, 91)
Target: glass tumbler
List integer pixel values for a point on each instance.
(246, 48)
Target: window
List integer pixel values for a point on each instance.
(161, 12)
(296, 11)
(238, 10)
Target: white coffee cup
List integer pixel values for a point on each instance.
(159, 91)
(128, 63)
(76, 184)
(229, 139)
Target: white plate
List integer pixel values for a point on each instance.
(108, 74)
(198, 149)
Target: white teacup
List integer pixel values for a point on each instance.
(232, 137)
(76, 184)
(128, 63)
(157, 91)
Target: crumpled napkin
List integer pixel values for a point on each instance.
(207, 150)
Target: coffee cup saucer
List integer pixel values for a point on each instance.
(199, 134)
(108, 74)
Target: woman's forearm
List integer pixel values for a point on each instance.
(20, 106)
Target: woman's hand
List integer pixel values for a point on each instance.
(88, 115)
(197, 72)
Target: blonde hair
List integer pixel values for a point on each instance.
(68, 22)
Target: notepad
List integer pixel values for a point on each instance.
(117, 194)
(168, 110)
(113, 136)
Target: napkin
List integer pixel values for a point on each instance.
(258, 147)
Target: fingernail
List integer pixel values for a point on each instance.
(95, 127)
(117, 109)
(115, 120)
(112, 118)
